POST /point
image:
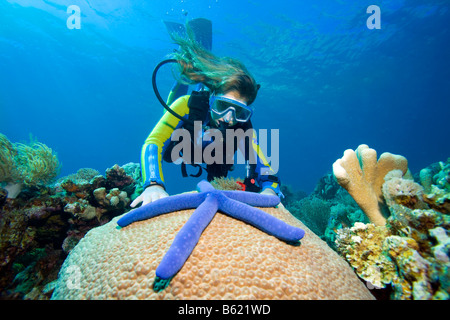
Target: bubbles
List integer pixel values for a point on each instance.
(183, 11)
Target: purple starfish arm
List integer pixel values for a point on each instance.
(260, 219)
(161, 206)
(187, 238)
(205, 186)
(253, 198)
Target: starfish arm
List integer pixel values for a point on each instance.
(205, 186)
(161, 206)
(260, 219)
(253, 198)
(187, 238)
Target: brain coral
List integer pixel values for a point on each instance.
(232, 260)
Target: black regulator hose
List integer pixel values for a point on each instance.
(160, 99)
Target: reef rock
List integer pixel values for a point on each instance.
(52, 219)
(436, 182)
(360, 245)
(232, 260)
(403, 254)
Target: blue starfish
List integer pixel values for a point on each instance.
(237, 204)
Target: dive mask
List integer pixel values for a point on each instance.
(220, 105)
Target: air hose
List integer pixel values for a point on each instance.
(158, 96)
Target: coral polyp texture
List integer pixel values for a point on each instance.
(362, 176)
(232, 260)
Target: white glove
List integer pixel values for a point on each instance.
(150, 194)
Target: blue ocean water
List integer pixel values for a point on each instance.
(329, 83)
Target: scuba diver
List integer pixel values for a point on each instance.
(222, 100)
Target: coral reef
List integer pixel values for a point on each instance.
(30, 165)
(437, 186)
(51, 220)
(114, 198)
(410, 253)
(116, 176)
(327, 187)
(232, 260)
(362, 176)
(399, 190)
(326, 210)
(360, 245)
(90, 195)
(406, 258)
(26, 226)
(291, 196)
(314, 212)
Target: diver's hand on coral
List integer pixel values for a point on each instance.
(150, 194)
(269, 192)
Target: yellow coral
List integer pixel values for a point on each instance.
(413, 268)
(362, 176)
(360, 245)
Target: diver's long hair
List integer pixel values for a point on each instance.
(220, 75)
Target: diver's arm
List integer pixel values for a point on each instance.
(153, 148)
(268, 182)
(265, 176)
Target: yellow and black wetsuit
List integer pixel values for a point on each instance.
(157, 144)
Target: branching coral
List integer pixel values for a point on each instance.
(32, 165)
(362, 176)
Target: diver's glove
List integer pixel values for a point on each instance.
(150, 194)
